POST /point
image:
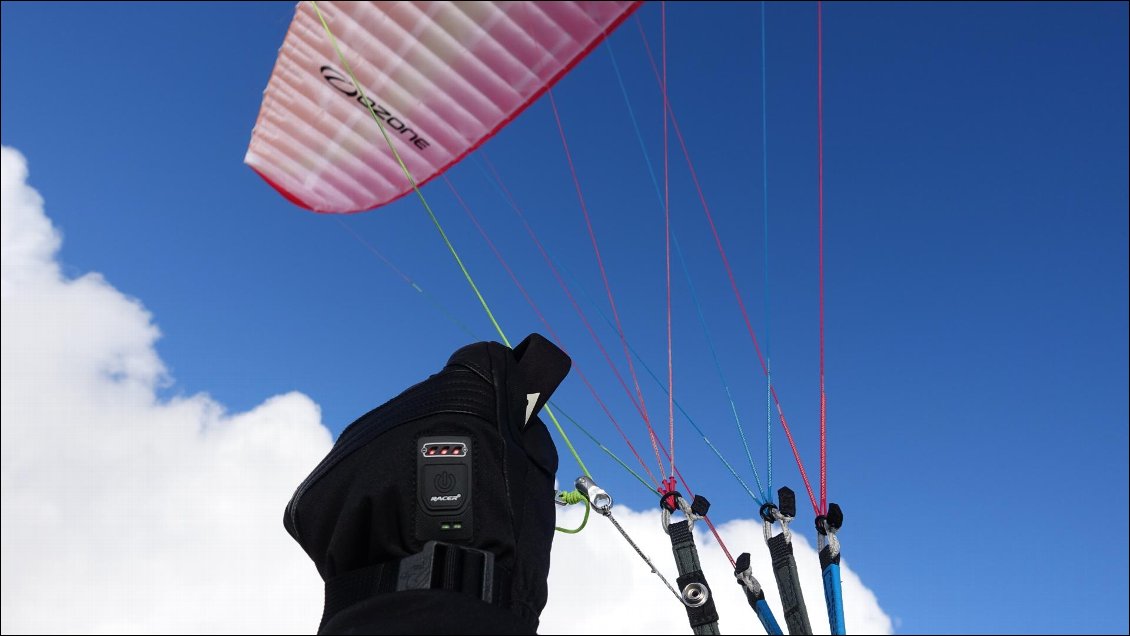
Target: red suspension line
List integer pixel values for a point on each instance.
(552, 332)
(820, 160)
(730, 274)
(561, 282)
(533, 236)
(604, 278)
(667, 221)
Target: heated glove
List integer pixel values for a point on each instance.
(434, 513)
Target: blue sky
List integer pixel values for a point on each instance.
(976, 261)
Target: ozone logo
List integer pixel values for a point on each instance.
(344, 85)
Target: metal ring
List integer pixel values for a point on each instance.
(602, 501)
(695, 595)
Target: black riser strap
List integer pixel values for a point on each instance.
(704, 618)
(788, 582)
(827, 559)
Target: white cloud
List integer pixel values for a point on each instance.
(126, 513)
(123, 512)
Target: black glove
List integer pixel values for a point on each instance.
(434, 513)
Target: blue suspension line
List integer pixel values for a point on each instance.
(585, 295)
(686, 273)
(765, 251)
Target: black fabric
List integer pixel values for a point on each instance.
(835, 516)
(830, 522)
(700, 505)
(358, 508)
(787, 501)
(788, 584)
(356, 586)
(426, 612)
(439, 567)
(704, 618)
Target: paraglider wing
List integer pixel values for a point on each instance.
(442, 77)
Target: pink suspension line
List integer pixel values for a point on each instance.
(730, 274)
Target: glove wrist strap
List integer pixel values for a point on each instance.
(439, 566)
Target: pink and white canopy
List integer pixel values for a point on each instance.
(442, 76)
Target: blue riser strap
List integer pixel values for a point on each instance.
(834, 597)
(767, 620)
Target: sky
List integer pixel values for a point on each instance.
(181, 345)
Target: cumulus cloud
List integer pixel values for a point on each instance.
(123, 512)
